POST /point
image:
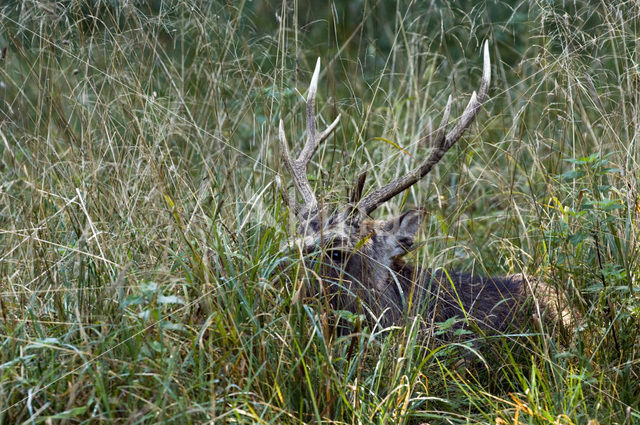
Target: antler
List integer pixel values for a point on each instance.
(298, 167)
(443, 143)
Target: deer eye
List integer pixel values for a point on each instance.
(337, 255)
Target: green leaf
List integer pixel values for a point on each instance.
(613, 204)
(150, 314)
(133, 300)
(44, 343)
(446, 325)
(572, 174)
(585, 159)
(149, 287)
(170, 299)
(593, 289)
(172, 326)
(350, 317)
(71, 413)
(16, 360)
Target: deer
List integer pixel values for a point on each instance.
(359, 262)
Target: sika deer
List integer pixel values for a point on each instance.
(359, 260)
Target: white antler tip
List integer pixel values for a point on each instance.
(445, 115)
(283, 138)
(313, 86)
(486, 68)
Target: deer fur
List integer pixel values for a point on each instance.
(362, 270)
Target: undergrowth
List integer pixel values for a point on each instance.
(141, 279)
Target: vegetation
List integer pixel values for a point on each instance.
(140, 225)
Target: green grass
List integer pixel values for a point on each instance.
(140, 280)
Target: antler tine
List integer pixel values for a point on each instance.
(298, 167)
(313, 140)
(290, 203)
(475, 102)
(298, 171)
(356, 194)
(443, 143)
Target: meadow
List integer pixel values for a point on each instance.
(141, 278)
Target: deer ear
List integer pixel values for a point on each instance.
(401, 230)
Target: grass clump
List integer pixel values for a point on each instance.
(140, 227)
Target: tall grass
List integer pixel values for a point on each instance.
(140, 280)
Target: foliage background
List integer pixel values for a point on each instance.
(140, 278)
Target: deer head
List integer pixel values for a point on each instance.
(351, 250)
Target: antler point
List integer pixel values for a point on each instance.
(486, 67)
